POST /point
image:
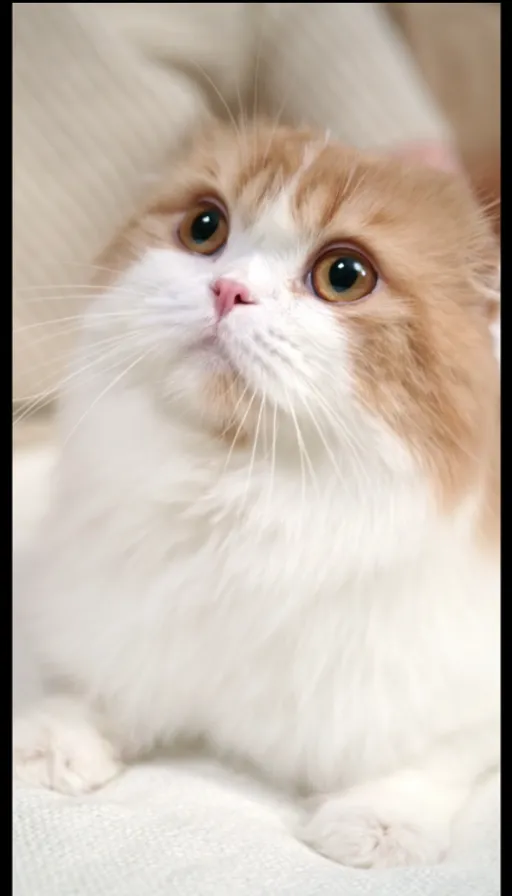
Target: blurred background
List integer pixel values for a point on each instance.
(104, 95)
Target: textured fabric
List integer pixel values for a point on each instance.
(195, 830)
(104, 93)
(192, 828)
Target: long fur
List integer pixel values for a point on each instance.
(285, 542)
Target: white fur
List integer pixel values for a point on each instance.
(300, 604)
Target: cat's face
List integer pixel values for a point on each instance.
(277, 274)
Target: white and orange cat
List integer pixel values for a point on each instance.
(275, 520)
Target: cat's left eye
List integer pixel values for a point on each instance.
(343, 275)
(204, 229)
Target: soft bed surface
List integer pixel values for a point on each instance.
(192, 830)
(190, 827)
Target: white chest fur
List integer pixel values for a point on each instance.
(326, 635)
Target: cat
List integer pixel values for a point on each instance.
(275, 519)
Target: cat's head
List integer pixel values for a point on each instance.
(277, 275)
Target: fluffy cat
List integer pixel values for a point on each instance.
(275, 520)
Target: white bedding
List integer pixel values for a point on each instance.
(192, 828)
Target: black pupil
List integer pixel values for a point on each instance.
(344, 273)
(205, 225)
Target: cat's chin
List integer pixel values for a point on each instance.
(215, 392)
(218, 366)
(212, 351)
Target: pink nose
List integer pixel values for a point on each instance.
(227, 294)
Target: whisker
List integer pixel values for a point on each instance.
(59, 286)
(336, 421)
(233, 414)
(85, 291)
(257, 73)
(103, 393)
(95, 267)
(253, 452)
(241, 114)
(303, 454)
(301, 458)
(273, 461)
(218, 93)
(238, 431)
(100, 315)
(322, 438)
(52, 362)
(47, 397)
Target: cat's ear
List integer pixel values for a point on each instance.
(440, 156)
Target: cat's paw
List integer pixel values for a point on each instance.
(57, 746)
(354, 830)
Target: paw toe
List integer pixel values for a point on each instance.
(72, 759)
(359, 838)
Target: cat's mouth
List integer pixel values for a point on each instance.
(213, 348)
(210, 342)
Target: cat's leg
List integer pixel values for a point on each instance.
(58, 744)
(405, 818)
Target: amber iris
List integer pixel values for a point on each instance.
(343, 276)
(204, 229)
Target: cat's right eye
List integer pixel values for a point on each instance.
(204, 229)
(342, 274)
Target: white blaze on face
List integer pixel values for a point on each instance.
(274, 225)
(269, 254)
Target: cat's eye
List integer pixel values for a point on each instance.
(204, 229)
(343, 276)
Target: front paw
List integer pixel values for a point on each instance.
(361, 830)
(56, 745)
